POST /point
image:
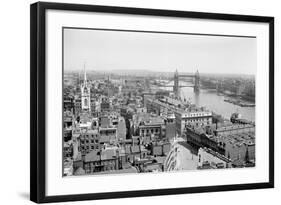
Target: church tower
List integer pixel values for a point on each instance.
(85, 94)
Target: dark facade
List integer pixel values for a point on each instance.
(105, 105)
(89, 141)
(204, 140)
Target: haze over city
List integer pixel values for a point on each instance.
(121, 50)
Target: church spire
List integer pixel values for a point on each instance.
(85, 75)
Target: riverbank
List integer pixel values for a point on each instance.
(239, 102)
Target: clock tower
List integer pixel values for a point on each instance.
(85, 94)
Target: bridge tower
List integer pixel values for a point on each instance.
(196, 82)
(176, 84)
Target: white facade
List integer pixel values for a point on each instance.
(197, 118)
(85, 94)
(180, 157)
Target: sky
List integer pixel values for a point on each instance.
(107, 50)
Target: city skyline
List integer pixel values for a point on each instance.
(123, 112)
(122, 50)
(147, 71)
(135, 126)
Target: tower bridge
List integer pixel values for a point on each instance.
(177, 78)
(195, 78)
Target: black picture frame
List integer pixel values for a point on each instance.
(38, 100)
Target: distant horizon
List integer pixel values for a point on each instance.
(123, 70)
(104, 50)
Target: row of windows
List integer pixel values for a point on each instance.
(110, 163)
(89, 136)
(83, 148)
(107, 133)
(93, 169)
(198, 120)
(201, 124)
(90, 164)
(198, 115)
(151, 130)
(78, 104)
(89, 141)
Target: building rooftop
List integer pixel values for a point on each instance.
(107, 128)
(129, 169)
(78, 157)
(239, 139)
(76, 135)
(79, 171)
(67, 144)
(90, 131)
(108, 154)
(135, 149)
(171, 101)
(152, 121)
(181, 157)
(216, 154)
(233, 127)
(127, 149)
(93, 156)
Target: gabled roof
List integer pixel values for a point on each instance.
(108, 154)
(79, 171)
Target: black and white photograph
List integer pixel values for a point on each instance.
(147, 101)
(135, 102)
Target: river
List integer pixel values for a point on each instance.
(214, 102)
